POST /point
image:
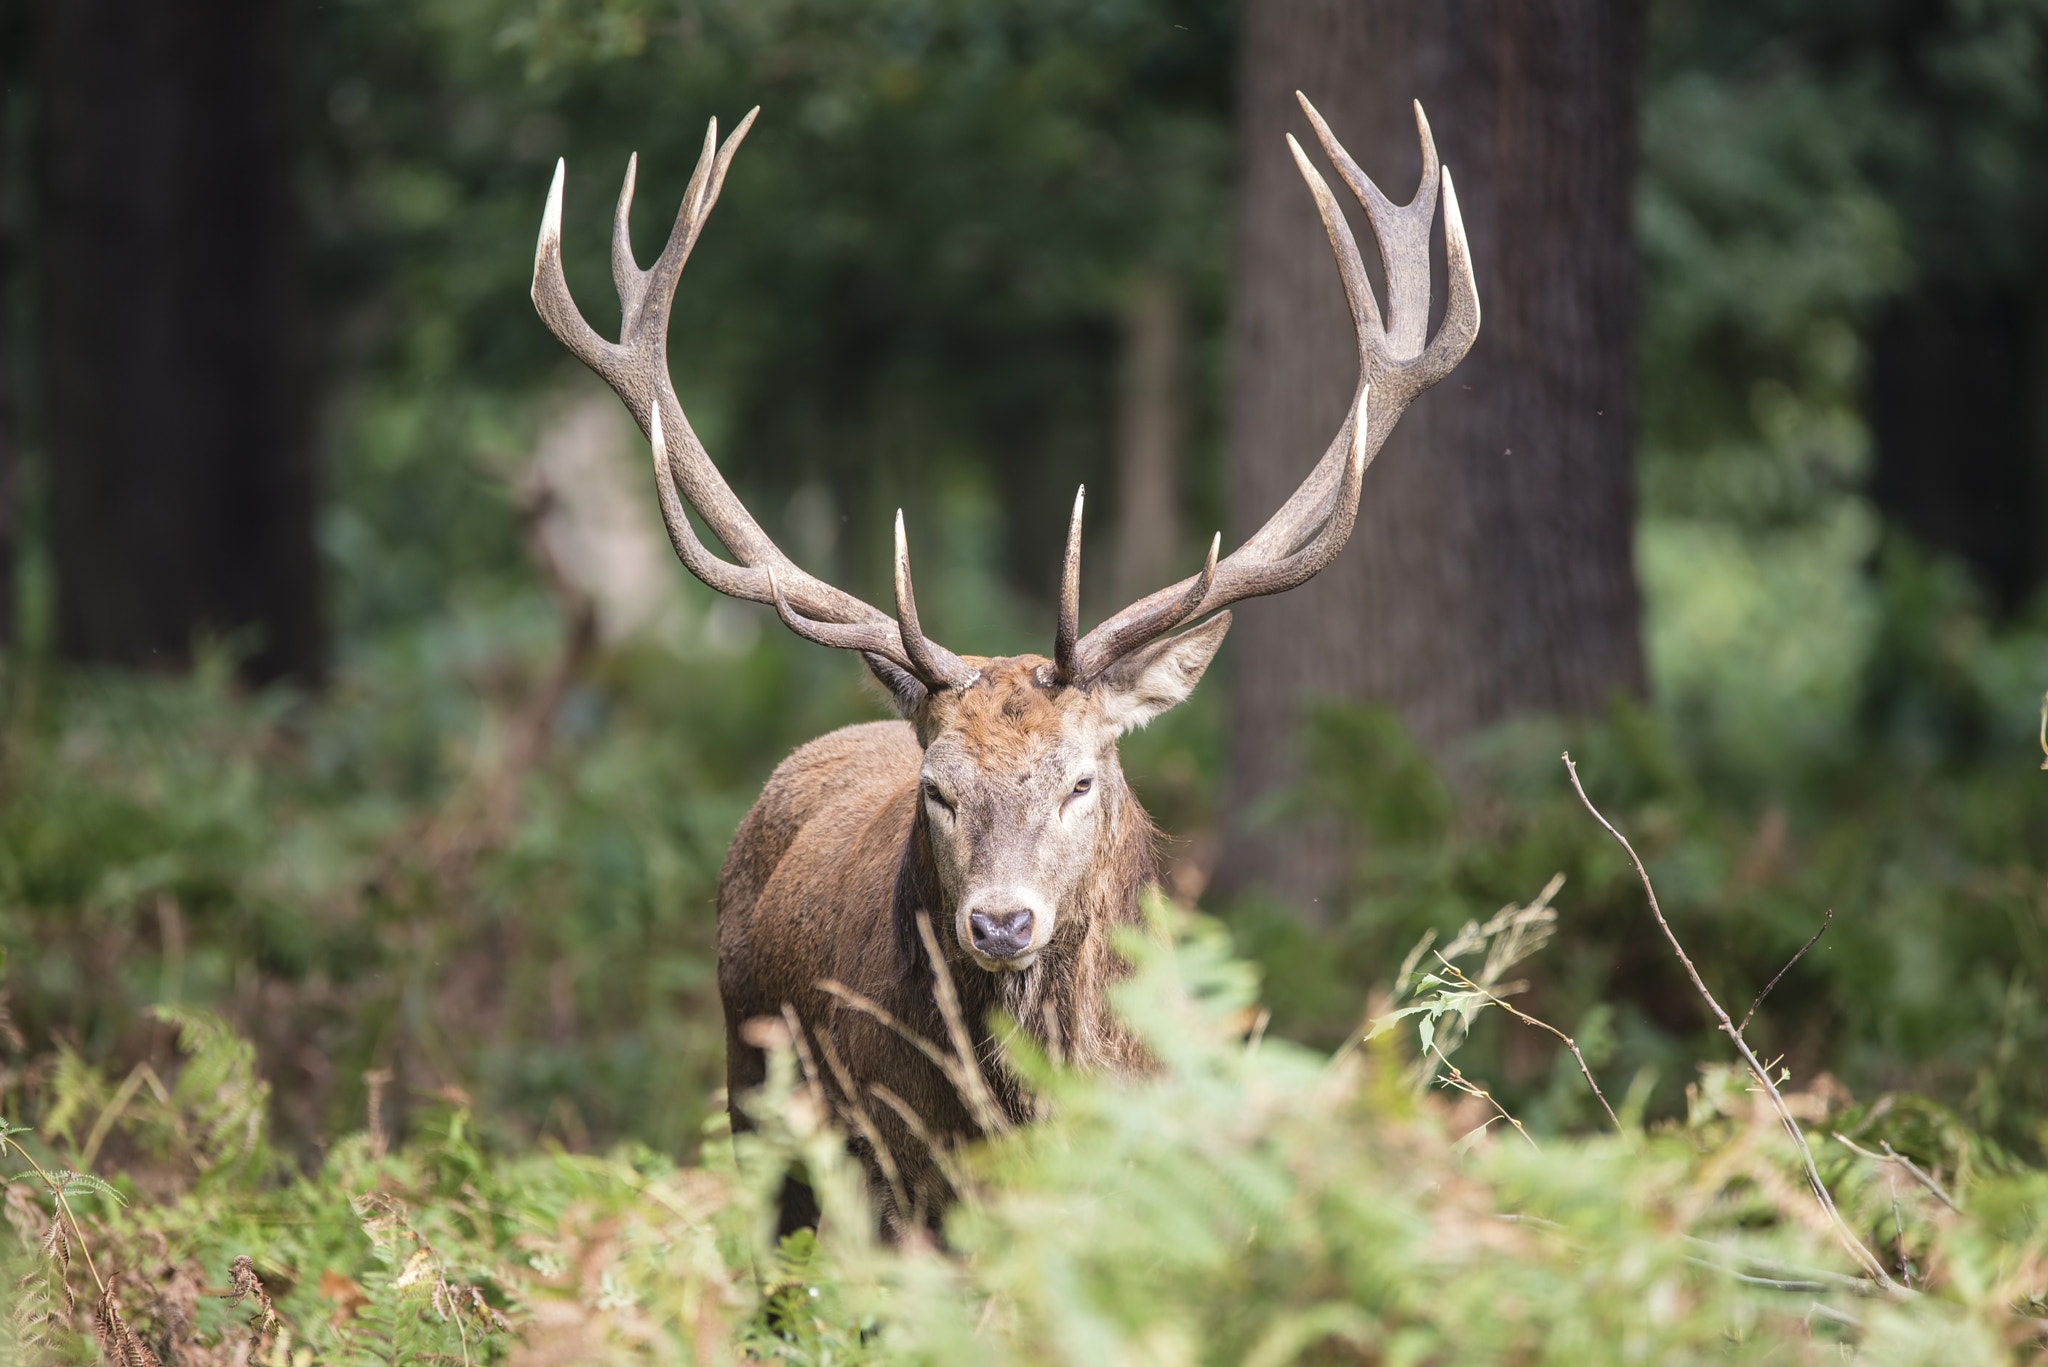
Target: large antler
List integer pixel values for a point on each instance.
(1394, 366)
(636, 367)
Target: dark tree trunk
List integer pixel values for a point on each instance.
(180, 473)
(1490, 573)
(17, 41)
(1962, 448)
(1148, 442)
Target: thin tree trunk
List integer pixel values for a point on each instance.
(1490, 573)
(1149, 426)
(181, 480)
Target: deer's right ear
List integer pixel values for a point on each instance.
(906, 694)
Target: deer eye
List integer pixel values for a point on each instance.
(1083, 786)
(932, 794)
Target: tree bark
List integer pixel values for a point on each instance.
(181, 482)
(1491, 570)
(1148, 442)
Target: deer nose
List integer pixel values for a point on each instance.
(1001, 934)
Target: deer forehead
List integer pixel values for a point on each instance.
(1012, 723)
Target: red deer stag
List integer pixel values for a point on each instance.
(995, 811)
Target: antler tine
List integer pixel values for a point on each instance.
(1116, 639)
(1066, 631)
(1315, 522)
(727, 579)
(551, 289)
(636, 367)
(1258, 578)
(1402, 230)
(626, 273)
(932, 663)
(702, 192)
(1365, 308)
(1460, 327)
(878, 638)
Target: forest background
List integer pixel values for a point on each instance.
(456, 833)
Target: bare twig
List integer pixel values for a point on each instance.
(1055, 1047)
(1924, 1178)
(1258, 1032)
(374, 1082)
(868, 1006)
(802, 1047)
(1787, 968)
(973, 1086)
(1528, 1019)
(857, 1112)
(1899, 1224)
(1891, 1155)
(1470, 1088)
(1863, 1256)
(949, 1166)
(1743, 1263)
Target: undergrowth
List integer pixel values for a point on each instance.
(379, 1027)
(1254, 1201)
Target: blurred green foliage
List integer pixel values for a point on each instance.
(912, 280)
(1250, 1203)
(909, 294)
(379, 878)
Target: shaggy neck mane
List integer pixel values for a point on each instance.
(1061, 999)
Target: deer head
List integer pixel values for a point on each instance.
(1022, 803)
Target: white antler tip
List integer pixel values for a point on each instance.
(1454, 222)
(1428, 138)
(1315, 117)
(551, 217)
(550, 224)
(1359, 418)
(1301, 160)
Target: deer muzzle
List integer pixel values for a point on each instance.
(1005, 932)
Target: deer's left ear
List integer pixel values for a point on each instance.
(1159, 677)
(906, 694)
